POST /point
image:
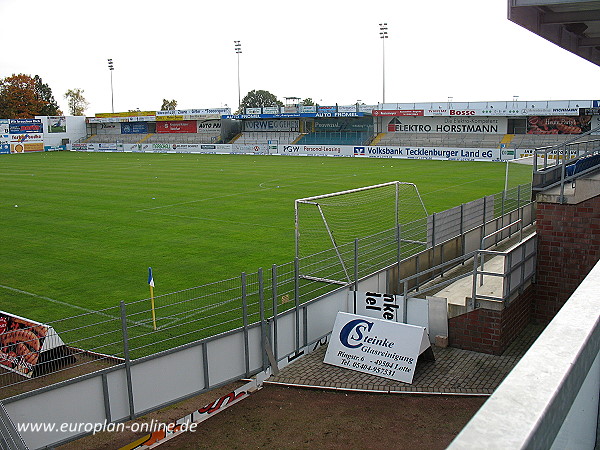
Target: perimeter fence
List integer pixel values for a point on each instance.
(133, 330)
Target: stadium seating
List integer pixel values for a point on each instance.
(263, 137)
(336, 138)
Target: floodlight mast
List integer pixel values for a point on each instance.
(383, 34)
(238, 51)
(111, 67)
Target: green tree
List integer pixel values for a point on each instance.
(307, 102)
(22, 96)
(76, 101)
(168, 105)
(43, 93)
(258, 99)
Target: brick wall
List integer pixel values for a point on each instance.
(568, 248)
(488, 331)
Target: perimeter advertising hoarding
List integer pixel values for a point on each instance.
(451, 125)
(22, 343)
(134, 128)
(480, 111)
(558, 125)
(271, 125)
(376, 347)
(183, 126)
(57, 124)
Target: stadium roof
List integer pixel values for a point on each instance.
(571, 24)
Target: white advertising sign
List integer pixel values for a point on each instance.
(377, 347)
(454, 124)
(209, 126)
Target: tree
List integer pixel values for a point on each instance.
(22, 96)
(307, 102)
(44, 94)
(77, 102)
(258, 99)
(168, 105)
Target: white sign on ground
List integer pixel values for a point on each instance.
(377, 347)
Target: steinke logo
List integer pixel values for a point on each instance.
(354, 334)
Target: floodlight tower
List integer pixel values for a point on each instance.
(238, 51)
(111, 67)
(383, 34)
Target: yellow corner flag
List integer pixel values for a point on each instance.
(151, 283)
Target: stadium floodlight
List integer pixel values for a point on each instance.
(238, 50)
(383, 34)
(111, 67)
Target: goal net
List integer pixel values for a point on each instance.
(327, 226)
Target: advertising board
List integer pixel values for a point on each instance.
(23, 341)
(377, 347)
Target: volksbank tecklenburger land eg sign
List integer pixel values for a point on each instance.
(377, 347)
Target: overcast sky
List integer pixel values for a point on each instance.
(328, 50)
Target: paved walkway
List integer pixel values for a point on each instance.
(454, 371)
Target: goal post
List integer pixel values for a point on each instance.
(330, 223)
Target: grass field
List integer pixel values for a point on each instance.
(81, 229)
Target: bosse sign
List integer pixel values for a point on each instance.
(377, 347)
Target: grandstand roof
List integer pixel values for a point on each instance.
(571, 24)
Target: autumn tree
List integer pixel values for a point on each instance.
(76, 101)
(259, 99)
(24, 97)
(168, 105)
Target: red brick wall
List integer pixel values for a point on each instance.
(487, 331)
(568, 248)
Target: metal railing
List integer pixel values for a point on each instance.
(550, 163)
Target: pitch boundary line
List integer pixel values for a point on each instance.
(60, 302)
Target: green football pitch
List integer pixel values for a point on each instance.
(79, 230)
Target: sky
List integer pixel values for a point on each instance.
(328, 50)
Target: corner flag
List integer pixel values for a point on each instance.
(151, 283)
(150, 277)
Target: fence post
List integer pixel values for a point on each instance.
(433, 230)
(355, 272)
(127, 360)
(398, 234)
(297, 300)
(245, 326)
(263, 324)
(274, 299)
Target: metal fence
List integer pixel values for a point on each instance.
(99, 339)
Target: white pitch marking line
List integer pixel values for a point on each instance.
(60, 302)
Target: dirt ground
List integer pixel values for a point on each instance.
(296, 418)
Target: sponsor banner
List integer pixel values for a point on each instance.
(57, 124)
(4, 138)
(22, 343)
(271, 125)
(54, 148)
(367, 108)
(184, 126)
(452, 154)
(23, 147)
(303, 109)
(378, 347)
(19, 126)
(290, 116)
(347, 108)
(290, 109)
(326, 109)
(134, 128)
(312, 150)
(558, 125)
(271, 110)
(196, 112)
(397, 113)
(126, 114)
(253, 110)
(4, 128)
(209, 126)
(460, 125)
(4, 148)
